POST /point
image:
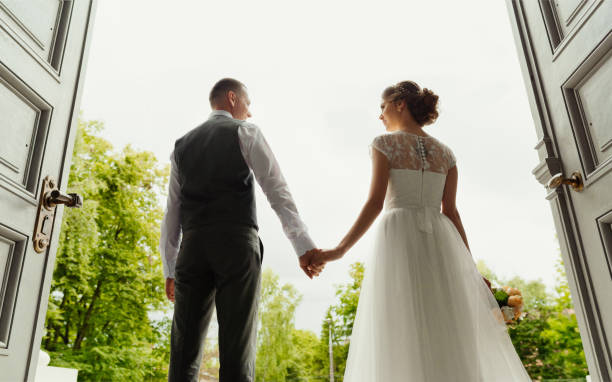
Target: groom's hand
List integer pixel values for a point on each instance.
(306, 263)
(170, 289)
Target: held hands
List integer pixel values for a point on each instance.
(313, 261)
(306, 263)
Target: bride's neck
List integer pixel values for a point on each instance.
(414, 129)
(408, 125)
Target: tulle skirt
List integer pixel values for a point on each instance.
(425, 314)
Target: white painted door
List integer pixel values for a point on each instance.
(565, 51)
(43, 45)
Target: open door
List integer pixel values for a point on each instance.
(43, 46)
(565, 52)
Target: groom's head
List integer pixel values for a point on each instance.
(231, 95)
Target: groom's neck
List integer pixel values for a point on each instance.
(224, 108)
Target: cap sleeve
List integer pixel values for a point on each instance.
(452, 161)
(380, 144)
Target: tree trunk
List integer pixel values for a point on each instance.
(58, 329)
(65, 337)
(85, 324)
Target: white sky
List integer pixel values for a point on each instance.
(315, 71)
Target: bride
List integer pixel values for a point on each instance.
(425, 313)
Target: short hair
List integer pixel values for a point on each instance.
(222, 87)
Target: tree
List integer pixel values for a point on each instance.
(547, 338)
(283, 352)
(533, 291)
(348, 295)
(303, 364)
(486, 271)
(275, 351)
(209, 366)
(341, 317)
(107, 276)
(532, 349)
(563, 334)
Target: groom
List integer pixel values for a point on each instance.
(217, 262)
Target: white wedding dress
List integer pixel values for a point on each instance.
(425, 314)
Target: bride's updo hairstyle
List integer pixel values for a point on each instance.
(422, 103)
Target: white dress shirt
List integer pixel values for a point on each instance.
(260, 159)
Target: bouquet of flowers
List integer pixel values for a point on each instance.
(510, 302)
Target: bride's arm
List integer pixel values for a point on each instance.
(449, 208)
(369, 212)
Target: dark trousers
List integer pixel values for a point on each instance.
(216, 266)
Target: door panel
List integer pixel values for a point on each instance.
(26, 118)
(35, 17)
(43, 46)
(564, 48)
(12, 248)
(41, 25)
(605, 233)
(16, 146)
(564, 18)
(586, 94)
(568, 12)
(592, 94)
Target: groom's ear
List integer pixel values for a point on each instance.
(232, 98)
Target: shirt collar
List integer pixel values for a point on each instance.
(220, 112)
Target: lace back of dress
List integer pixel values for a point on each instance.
(414, 152)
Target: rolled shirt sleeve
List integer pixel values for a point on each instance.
(170, 237)
(259, 157)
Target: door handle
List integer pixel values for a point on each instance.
(55, 197)
(50, 197)
(575, 181)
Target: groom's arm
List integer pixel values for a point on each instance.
(259, 157)
(170, 237)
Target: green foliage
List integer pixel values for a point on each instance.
(108, 280)
(486, 271)
(209, 368)
(275, 350)
(531, 347)
(535, 296)
(348, 296)
(547, 339)
(107, 275)
(501, 296)
(341, 318)
(562, 333)
(304, 361)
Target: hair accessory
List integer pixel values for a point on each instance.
(403, 88)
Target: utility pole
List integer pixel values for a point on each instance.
(331, 354)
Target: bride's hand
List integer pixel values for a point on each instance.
(487, 282)
(329, 255)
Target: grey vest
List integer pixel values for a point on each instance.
(216, 183)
